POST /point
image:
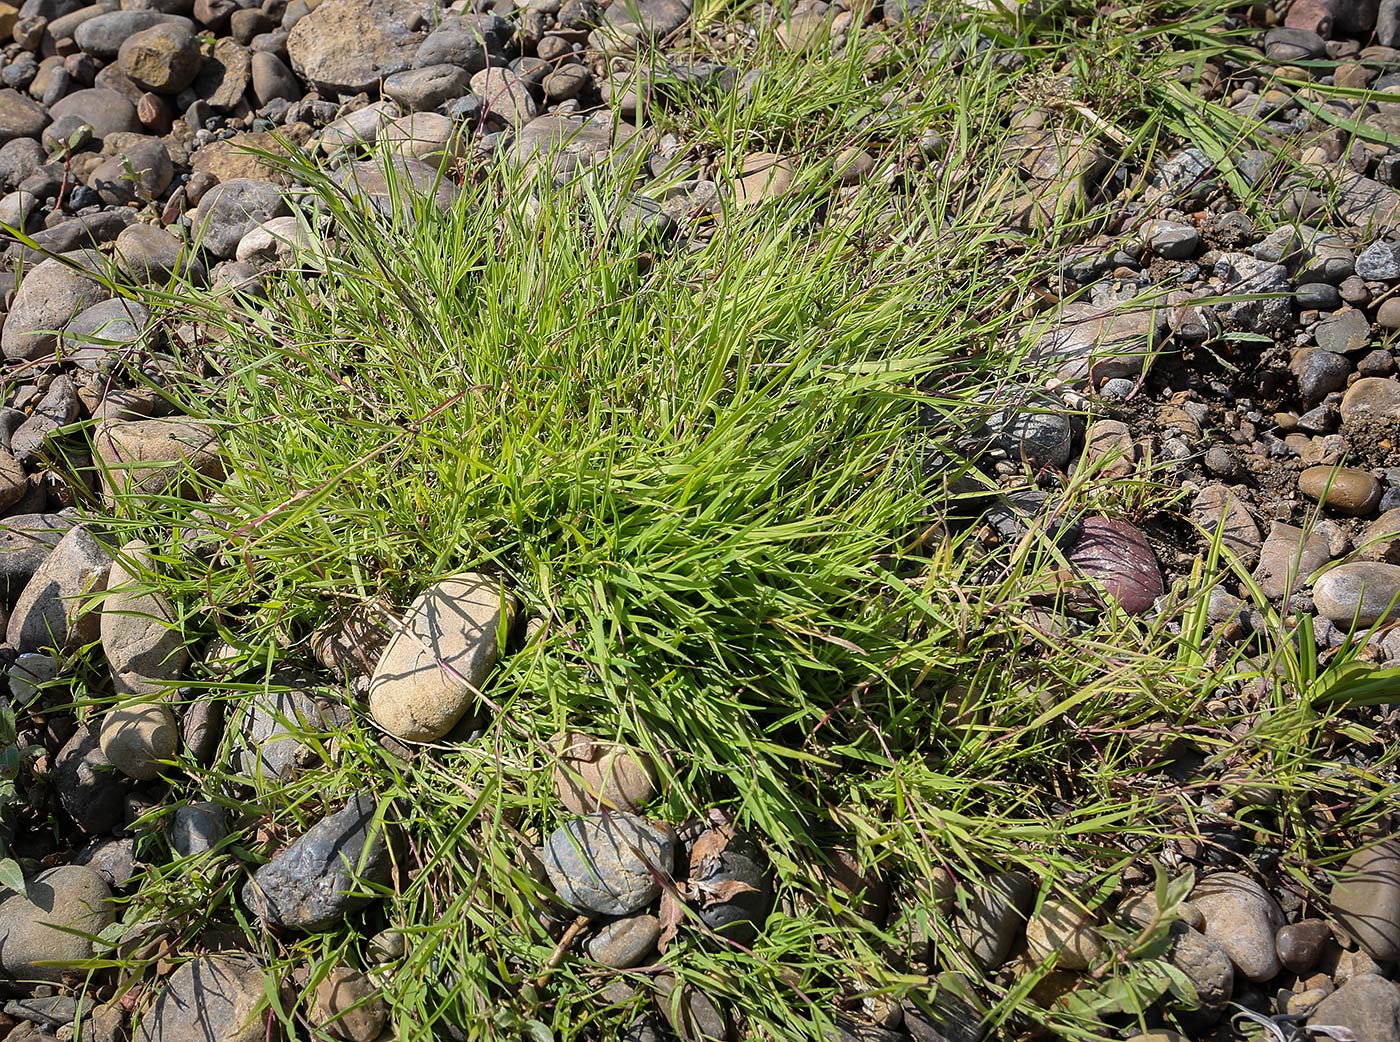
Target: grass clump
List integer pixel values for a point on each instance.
(727, 482)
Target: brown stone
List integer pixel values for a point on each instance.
(1344, 489)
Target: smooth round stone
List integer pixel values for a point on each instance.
(419, 90)
(103, 36)
(1066, 932)
(107, 329)
(1317, 296)
(692, 1014)
(149, 254)
(592, 775)
(34, 925)
(231, 209)
(1388, 314)
(1300, 945)
(348, 1006)
(1381, 539)
(1171, 239)
(1242, 918)
(49, 295)
(609, 863)
(1344, 489)
(994, 915)
(429, 137)
(91, 793)
(1206, 966)
(1037, 439)
(135, 739)
(506, 93)
(1372, 399)
(625, 942)
(218, 998)
(197, 828)
(457, 621)
(1357, 592)
(272, 79)
(1117, 555)
(105, 111)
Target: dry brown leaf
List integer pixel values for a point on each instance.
(671, 914)
(712, 843)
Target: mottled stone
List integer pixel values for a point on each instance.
(609, 863)
(322, 876)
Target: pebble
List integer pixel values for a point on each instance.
(48, 296)
(269, 748)
(627, 942)
(1379, 262)
(163, 58)
(457, 622)
(424, 89)
(1287, 558)
(138, 457)
(1344, 489)
(1365, 899)
(136, 738)
(314, 882)
(1372, 399)
(1117, 555)
(1300, 945)
(197, 828)
(608, 863)
(1318, 373)
(1217, 510)
(739, 859)
(141, 640)
(1359, 592)
(25, 543)
(214, 998)
(1108, 447)
(227, 212)
(1343, 332)
(692, 1014)
(88, 790)
(348, 1007)
(70, 896)
(1242, 918)
(1206, 966)
(1065, 932)
(592, 775)
(1085, 343)
(1381, 539)
(505, 94)
(1171, 239)
(51, 611)
(1368, 1006)
(992, 914)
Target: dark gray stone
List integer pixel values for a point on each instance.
(313, 883)
(91, 791)
(610, 863)
(197, 828)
